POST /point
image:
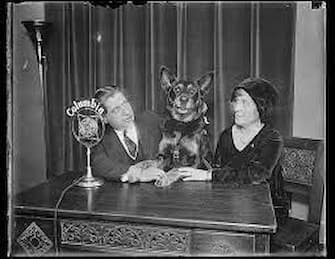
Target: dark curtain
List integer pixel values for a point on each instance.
(276, 57)
(89, 47)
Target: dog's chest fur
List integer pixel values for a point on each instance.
(181, 144)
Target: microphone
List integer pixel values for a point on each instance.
(88, 128)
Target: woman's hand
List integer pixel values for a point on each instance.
(193, 174)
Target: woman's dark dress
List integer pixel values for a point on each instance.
(253, 164)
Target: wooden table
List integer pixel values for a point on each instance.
(186, 218)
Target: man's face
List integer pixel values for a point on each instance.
(119, 111)
(244, 109)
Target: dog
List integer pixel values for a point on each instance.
(185, 141)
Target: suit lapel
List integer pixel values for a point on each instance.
(113, 144)
(140, 138)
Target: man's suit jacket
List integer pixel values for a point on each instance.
(109, 158)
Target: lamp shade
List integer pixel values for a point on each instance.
(37, 29)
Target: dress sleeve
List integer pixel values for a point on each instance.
(265, 158)
(206, 151)
(255, 167)
(221, 156)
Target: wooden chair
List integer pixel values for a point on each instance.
(303, 173)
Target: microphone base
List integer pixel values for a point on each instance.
(90, 182)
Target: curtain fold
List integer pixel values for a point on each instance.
(163, 51)
(232, 55)
(276, 57)
(219, 115)
(90, 47)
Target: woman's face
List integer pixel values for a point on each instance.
(244, 109)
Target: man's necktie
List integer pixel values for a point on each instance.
(132, 147)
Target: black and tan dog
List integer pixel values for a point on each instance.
(185, 141)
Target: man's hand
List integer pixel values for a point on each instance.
(147, 163)
(168, 178)
(150, 174)
(144, 171)
(193, 174)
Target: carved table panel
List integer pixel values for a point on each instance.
(144, 238)
(111, 236)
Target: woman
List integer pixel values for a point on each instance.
(247, 151)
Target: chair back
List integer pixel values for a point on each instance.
(303, 172)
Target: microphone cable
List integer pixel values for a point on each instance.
(56, 210)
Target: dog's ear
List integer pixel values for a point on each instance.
(166, 78)
(205, 82)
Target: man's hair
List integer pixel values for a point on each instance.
(101, 94)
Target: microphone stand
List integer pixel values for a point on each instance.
(89, 181)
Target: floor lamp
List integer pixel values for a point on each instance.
(37, 30)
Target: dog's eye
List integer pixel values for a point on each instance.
(192, 91)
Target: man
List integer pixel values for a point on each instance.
(128, 140)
